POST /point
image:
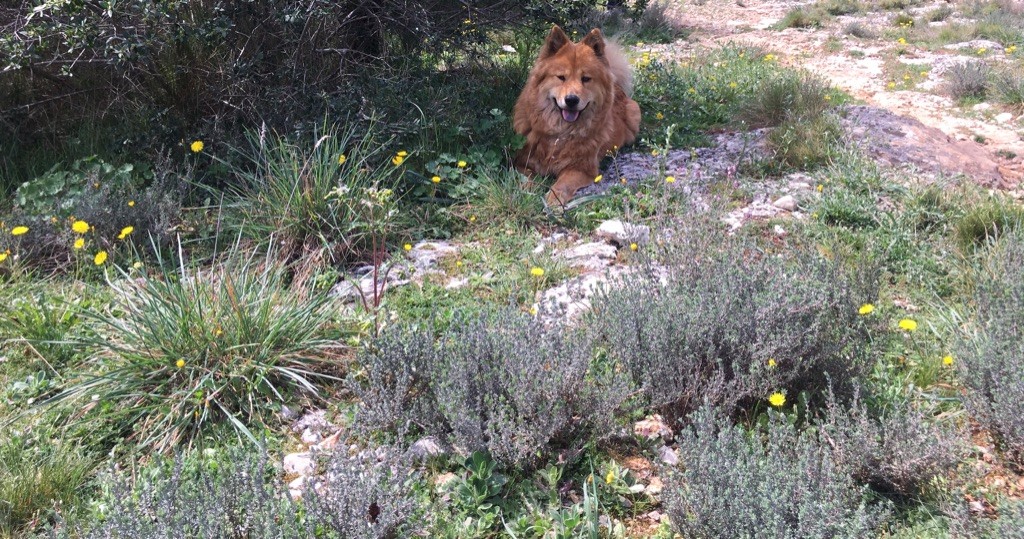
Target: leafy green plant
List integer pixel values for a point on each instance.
(181, 350)
(783, 96)
(987, 221)
(800, 17)
(1008, 87)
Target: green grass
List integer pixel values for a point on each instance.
(188, 348)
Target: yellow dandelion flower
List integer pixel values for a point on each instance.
(180, 363)
(436, 179)
(947, 361)
(137, 264)
(670, 179)
(407, 247)
(19, 230)
(609, 477)
(908, 324)
(733, 85)
(3, 256)
(891, 85)
(397, 160)
(402, 153)
(131, 203)
(633, 246)
(821, 187)
(777, 399)
(692, 90)
(462, 164)
(771, 362)
(828, 97)
(537, 272)
(981, 50)
(79, 243)
(533, 311)
(598, 178)
(902, 41)
(125, 232)
(472, 218)
(80, 227)
(342, 159)
(100, 258)
(458, 263)
(769, 57)
(867, 308)
(659, 116)
(654, 153)
(197, 146)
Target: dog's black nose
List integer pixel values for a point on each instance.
(572, 100)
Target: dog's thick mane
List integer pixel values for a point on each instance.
(619, 66)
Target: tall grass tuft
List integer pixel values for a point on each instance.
(183, 349)
(333, 194)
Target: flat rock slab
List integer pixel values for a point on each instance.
(901, 141)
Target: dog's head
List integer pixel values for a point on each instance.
(573, 78)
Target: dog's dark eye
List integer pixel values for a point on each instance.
(585, 79)
(561, 77)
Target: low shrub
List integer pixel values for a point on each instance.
(992, 362)
(239, 494)
(895, 453)
(858, 29)
(778, 483)
(841, 7)
(728, 325)
(800, 17)
(968, 80)
(504, 384)
(804, 143)
(180, 350)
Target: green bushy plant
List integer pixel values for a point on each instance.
(788, 94)
(800, 17)
(992, 362)
(777, 483)
(1008, 87)
(986, 221)
(728, 325)
(501, 383)
(183, 349)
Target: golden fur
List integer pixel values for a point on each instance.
(574, 109)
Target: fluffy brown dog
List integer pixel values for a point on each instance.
(574, 109)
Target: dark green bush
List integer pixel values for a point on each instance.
(504, 384)
(778, 483)
(992, 362)
(786, 95)
(895, 453)
(706, 334)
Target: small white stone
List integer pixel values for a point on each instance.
(787, 203)
(1004, 117)
(299, 463)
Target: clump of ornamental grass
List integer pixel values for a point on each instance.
(186, 348)
(333, 194)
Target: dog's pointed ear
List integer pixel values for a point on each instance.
(595, 41)
(555, 41)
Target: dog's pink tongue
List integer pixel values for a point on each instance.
(570, 115)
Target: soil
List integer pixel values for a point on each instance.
(857, 66)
